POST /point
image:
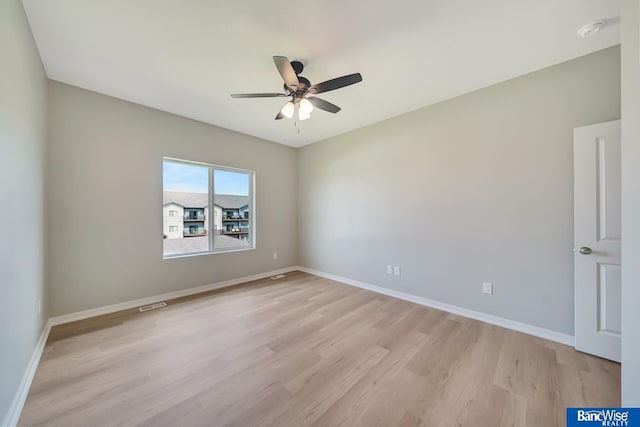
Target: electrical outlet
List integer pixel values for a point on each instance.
(275, 255)
(396, 270)
(487, 288)
(389, 269)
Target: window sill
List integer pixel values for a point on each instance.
(193, 254)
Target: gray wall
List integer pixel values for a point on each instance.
(630, 203)
(477, 188)
(105, 192)
(23, 92)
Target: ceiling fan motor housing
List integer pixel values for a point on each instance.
(304, 85)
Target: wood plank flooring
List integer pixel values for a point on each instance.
(306, 351)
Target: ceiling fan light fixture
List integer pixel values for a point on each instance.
(306, 107)
(288, 109)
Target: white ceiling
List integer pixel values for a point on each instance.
(187, 56)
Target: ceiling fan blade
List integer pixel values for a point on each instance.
(324, 105)
(286, 71)
(336, 83)
(279, 116)
(258, 95)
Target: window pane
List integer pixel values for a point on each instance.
(185, 192)
(232, 219)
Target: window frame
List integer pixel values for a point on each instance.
(251, 242)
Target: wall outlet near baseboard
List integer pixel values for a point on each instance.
(275, 255)
(396, 270)
(487, 288)
(389, 269)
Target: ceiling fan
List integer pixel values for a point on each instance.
(301, 90)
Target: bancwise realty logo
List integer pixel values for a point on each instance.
(608, 417)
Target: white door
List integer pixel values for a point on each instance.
(596, 155)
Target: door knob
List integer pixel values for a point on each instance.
(584, 250)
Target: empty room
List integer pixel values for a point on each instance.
(420, 213)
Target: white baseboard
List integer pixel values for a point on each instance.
(99, 311)
(483, 317)
(12, 417)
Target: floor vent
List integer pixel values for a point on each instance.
(152, 306)
(278, 276)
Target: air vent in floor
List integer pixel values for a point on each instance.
(152, 306)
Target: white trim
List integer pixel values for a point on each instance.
(13, 415)
(99, 311)
(190, 254)
(483, 317)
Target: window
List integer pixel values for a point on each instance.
(198, 189)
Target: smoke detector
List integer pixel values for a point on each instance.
(591, 28)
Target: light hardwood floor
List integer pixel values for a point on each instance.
(307, 351)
